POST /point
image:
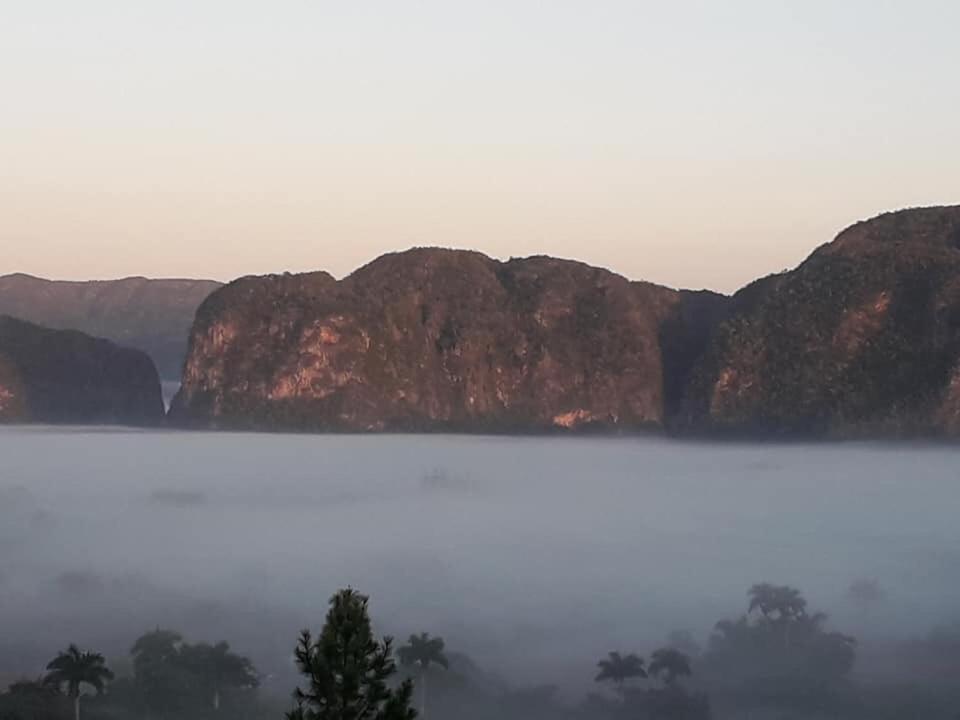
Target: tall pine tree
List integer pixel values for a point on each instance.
(348, 670)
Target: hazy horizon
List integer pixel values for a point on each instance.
(691, 145)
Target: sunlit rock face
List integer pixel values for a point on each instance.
(862, 339)
(434, 339)
(61, 376)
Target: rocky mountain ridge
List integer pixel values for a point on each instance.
(434, 339)
(862, 339)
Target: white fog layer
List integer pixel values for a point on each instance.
(512, 549)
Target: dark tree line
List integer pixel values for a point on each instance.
(778, 659)
(171, 678)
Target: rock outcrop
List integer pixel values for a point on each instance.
(151, 315)
(63, 376)
(861, 340)
(434, 339)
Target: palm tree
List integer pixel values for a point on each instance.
(73, 668)
(777, 602)
(669, 664)
(618, 669)
(421, 651)
(781, 605)
(217, 668)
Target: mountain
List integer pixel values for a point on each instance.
(862, 339)
(64, 376)
(150, 315)
(433, 339)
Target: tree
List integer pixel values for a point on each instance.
(779, 655)
(421, 651)
(777, 602)
(348, 670)
(669, 665)
(31, 700)
(214, 668)
(159, 676)
(72, 669)
(618, 669)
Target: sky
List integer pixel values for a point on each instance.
(690, 143)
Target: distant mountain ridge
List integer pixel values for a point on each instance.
(151, 315)
(861, 340)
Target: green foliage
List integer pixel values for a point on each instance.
(348, 670)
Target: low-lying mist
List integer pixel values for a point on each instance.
(532, 556)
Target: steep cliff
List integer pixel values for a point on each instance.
(434, 339)
(62, 376)
(150, 315)
(862, 339)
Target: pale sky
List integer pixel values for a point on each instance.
(691, 143)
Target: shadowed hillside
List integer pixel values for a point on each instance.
(862, 339)
(150, 315)
(63, 376)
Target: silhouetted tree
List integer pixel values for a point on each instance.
(669, 665)
(72, 669)
(161, 681)
(617, 669)
(779, 655)
(31, 700)
(777, 602)
(214, 668)
(422, 651)
(348, 670)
